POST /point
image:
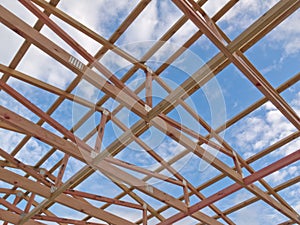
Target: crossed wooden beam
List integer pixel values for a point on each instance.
(56, 191)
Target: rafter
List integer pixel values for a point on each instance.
(248, 181)
(17, 25)
(63, 199)
(46, 179)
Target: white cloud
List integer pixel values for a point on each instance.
(39, 65)
(257, 214)
(286, 36)
(10, 141)
(32, 152)
(277, 176)
(157, 17)
(10, 43)
(19, 10)
(125, 212)
(101, 16)
(211, 7)
(245, 12)
(144, 26)
(258, 131)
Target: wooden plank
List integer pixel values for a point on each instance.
(48, 87)
(29, 170)
(257, 29)
(26, 44)
(65, 220)
(142, 170)
(90, 33)
(14, 218)
(100, 133)
(120, 175)
(38, 132)
(102, 199)
(62, 169)
(63, 199)
(59, 54)
(249, 180)
(10, 128)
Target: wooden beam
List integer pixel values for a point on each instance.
(145, 215)
(38, 132)
(249, 180)
(29, 203)
(46, 45)
(29, 170)
(142, 170)
(90, 33)
(63, 199)
(26, 44)
(102, 199)
(48, 87)
(245, 40)
(140, 185)
(65, 220)
(61, 171)
(10, 206)
(148, 87)
(14, 218)
(100, 134)
(10, 128)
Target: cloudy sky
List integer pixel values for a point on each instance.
(276, 56)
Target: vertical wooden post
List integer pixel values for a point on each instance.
(144, 214)
(29, 203)
(148, 87)
(186, 193)
(62, 169)
(100, 134)
(19, 194)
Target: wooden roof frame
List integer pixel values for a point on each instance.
(40, 182)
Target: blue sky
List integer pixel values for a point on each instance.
(276, 56)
